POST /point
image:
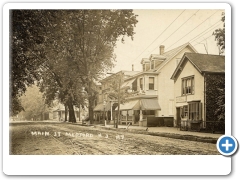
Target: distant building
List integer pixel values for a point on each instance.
(105, 108)
(58, 113)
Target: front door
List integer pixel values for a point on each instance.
(136, 116)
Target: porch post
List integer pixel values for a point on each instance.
(127, 118)
(140, 116)
(111, 109)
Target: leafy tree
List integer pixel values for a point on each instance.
(33, 103)
(74, 49)
(83, 45)
(220, 36)
(220, 111)
(118, 93)
(99, 32)
(25, 42)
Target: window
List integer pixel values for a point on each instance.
(184, 112)
(141, 83)
(152, 64)
(188, 85)
(195, 111)
(192, 111)
(151, 83)
(148, 112)
(143, 66)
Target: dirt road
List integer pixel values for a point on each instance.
(54, 138)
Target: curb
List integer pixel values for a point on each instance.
(168, 135)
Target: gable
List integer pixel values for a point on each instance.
(203, 63)
(177, 53)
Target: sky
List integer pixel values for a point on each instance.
(170, 28)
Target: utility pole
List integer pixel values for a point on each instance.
(119, 86)
(118, 97)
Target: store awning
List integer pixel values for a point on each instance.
(127, 83)
(149, 104)
(100, 107)
(131, 105)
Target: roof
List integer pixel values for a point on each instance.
(204, 63)
(132, 105)
(144, 60)
(170, 54)
(142, 104)
(101, 107)
(150, 104)
(157, 57)
(123, 72)
(130, 73)
(207, 62)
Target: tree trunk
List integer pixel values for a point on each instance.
(66, 112)
(90, 110)
(119, 85)
(118, 117)
(72, 117)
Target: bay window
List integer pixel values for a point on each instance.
(151, 83)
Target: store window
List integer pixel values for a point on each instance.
(192, 111)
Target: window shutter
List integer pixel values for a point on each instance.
(146, 83)
(183, 87)
(192, 85)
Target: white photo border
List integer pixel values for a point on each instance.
(108, 164)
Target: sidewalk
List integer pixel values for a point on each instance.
(171, 132)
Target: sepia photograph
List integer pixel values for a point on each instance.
(116, 82)
(111, 84)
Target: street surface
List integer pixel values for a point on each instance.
(59, 138)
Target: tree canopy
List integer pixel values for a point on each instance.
(25, 40)
(70, 49)
(33, 103)
(220, 36)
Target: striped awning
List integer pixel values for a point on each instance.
(100, 107)
(149, 104)
(131, 105)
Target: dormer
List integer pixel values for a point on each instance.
(145, 64)
(157, 59)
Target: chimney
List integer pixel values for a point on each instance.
(132, 67)
(161, 49)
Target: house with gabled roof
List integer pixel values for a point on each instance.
(105, 106)
(199, 92)
(153, 90)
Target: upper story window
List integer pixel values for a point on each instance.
(151, 83)
(143, 67)
(188, 85)
(141, 83)
(152, 64)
